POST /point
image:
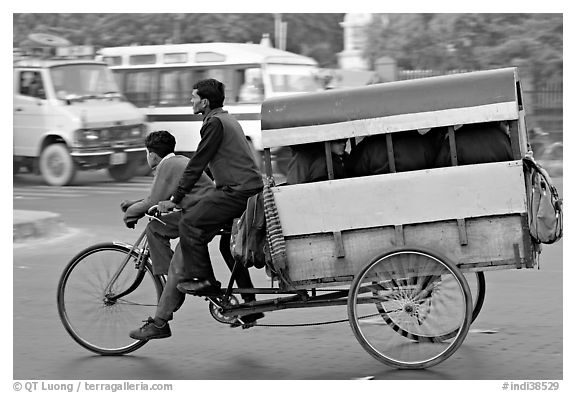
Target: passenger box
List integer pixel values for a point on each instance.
(476, 215)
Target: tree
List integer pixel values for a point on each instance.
(315, 35)
(471, 41)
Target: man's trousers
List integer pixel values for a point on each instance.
(203, 221)
(179, 268)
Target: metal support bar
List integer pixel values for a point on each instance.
(517, 256)
(240, 311)
(268, 162)
(329, 164)
(515, 139)
(268, 291)
(527, 240)
(462, 231)
(453, 151)
(390, 147)
(399, 229)
(340, 252)
(232, 278)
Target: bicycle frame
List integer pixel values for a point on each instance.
(299, 298)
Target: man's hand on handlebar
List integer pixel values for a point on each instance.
(166, 206)
(155, 214)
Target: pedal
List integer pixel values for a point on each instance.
(247, 321)
(239, 323)
(213, 300)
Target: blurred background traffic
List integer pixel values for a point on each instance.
(320, 51)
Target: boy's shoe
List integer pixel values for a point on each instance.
(151, 330)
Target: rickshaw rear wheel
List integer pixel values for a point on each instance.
(410, 308)
(477, 283)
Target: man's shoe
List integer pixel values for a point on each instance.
(205, 287)
(248, 320)
(151, 330)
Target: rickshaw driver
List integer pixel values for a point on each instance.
(223, 148)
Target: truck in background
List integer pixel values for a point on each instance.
(69, 115)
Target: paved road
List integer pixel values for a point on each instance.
(524, 307)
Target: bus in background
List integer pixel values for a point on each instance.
(159, 78)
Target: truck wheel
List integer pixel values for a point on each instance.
(123, 172)
(56, 165)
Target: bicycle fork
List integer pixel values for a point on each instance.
(140, 264)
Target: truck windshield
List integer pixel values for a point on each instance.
(287, 79)
(83, 80)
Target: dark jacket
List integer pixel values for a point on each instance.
(308, 164)
(476, 144)
(412, 151)
(224, 149)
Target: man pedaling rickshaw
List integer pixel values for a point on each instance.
(223, 148)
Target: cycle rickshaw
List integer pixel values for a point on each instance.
(400, 250)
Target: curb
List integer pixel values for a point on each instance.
(30, 224)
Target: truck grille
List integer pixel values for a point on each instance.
(111, 137)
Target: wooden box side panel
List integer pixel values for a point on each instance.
(493, 242)
(402, 198)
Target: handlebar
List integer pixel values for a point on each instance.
(154, 214)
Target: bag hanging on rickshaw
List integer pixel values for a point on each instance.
(544, 204)
(248, 236)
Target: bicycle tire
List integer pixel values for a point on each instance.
(477, 283)
(424, 308)
(87, 314)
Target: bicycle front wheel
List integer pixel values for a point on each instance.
(86, 306)
(423, 308)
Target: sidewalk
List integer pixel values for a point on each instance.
(31, 224)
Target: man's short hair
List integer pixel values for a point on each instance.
(160, 142)
(212, 90)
